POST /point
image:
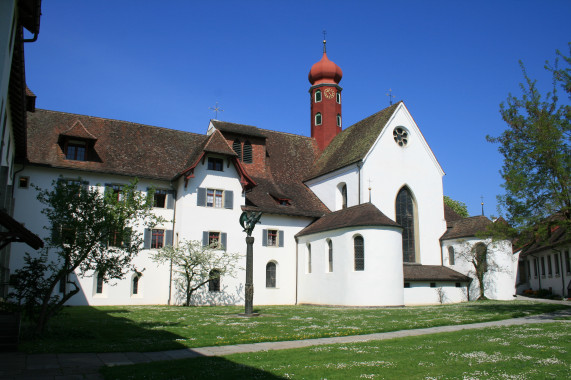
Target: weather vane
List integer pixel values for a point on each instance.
(216, 109)
(482, 198)
(324, 40)
(391, 96)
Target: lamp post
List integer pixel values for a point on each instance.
(248, 221)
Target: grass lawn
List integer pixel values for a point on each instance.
(155, 328)
(539, 351)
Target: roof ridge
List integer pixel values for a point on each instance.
(121, 121)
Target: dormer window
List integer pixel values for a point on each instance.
(76, 150)
(215, 164)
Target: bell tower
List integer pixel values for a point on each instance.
(325, 97)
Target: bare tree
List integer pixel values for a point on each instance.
(197, 265)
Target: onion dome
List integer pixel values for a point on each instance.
(325, 71)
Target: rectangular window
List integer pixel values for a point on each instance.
(556, 262)
(272, 238)
(407, 284)
(543, 265)
(157, 239)
(535, 268)
(433, 284)
(215, 164)
(214, 198)
(549, 269)
(567, 262)
(214, 239)
(458, 285)
(76, 150)
(115, 239)
(160, 198)
(23, 182)
(116, 190)
(99, 286)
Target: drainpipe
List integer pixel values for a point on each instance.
(359, 166)
(173, 233)
(561, 271)
(296, 268)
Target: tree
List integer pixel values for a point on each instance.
(484, 258)
(537, 156)
(90, 232)
(459, 207)
(197, 265)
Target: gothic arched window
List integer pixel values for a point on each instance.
(405, 211)
(344, 196)
(359, 246)
(271, 275)
(247, 152)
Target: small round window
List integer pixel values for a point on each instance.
(401, 136)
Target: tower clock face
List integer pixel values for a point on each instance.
(329, 93)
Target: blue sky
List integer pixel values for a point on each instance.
(166, 63)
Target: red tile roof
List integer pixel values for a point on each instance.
(363, 215)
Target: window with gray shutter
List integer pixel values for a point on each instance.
(168, 237)
(228, 199)
(147, 239)
(201, 196)
(170, 199)
(281, 239)
(223, 237)
(264, 238)
(205, 241)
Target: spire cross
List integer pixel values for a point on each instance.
(324, 40)
(391, 96)
(482, 198)
(216, 109)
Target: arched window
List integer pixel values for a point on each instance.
(405, 217)
(99, 288)
(338, 97)
(359, 246)
(318, 118)
(330, 254)
(344, 196)
(271, 275)
(309, 258)
(317, 96)
(136, 284)
(214, 280)
(237, 146)
(338, 120)
(451, 255)
(481, 258)
(247, 152)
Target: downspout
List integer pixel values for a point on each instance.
(296, 268)
(359, 166)
(561, 272)
(173, 232)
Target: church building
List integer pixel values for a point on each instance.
(324, 236)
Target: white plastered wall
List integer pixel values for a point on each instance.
(420, 293)
(389, 167)
(380, 284)
(153, 285)
(327, 186)
(499, 280)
